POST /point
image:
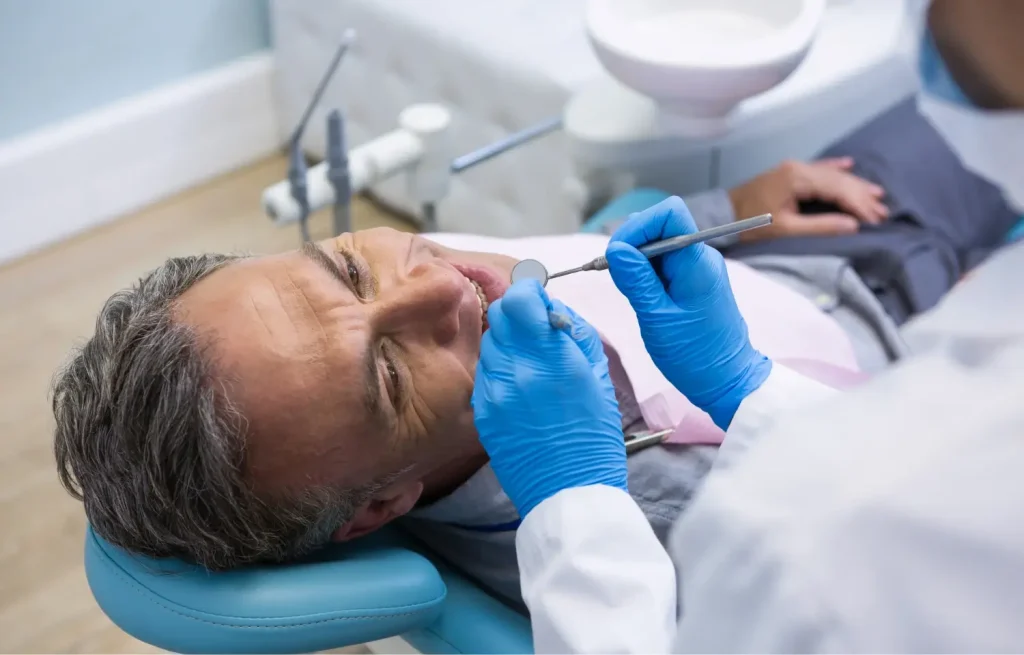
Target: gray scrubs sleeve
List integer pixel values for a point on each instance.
(709, 209)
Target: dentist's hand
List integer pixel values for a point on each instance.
(688, 316)
(543, 402)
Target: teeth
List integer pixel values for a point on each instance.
(483, 300)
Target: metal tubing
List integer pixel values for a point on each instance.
(480, 155)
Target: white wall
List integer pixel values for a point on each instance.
(109, 105)
(59, 58)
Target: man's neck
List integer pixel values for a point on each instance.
(451, 475)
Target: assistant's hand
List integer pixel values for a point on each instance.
(543, 402)
(688, 316)
(781, 189)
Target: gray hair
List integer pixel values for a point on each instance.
(147, 438)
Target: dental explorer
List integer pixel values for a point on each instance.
(533, 269)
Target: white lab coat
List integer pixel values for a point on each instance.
(887, 518)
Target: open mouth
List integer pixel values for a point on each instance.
(488, 285)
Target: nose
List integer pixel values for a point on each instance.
(423, 305)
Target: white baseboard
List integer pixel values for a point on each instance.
(110, 162)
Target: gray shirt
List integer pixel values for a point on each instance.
(474, 527)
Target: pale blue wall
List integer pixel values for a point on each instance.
(59, 58)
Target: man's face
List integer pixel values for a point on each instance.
(351, 358)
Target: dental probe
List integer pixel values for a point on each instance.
(529, 269)
(652, 250)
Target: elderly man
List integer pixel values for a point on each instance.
(231, 410)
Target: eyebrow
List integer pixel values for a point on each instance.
(317, 255)
(371, 399)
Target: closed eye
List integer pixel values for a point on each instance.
(393, 381)
(392, 378)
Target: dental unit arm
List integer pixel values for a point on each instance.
(419, 148)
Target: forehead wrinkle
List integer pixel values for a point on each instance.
(259, 314)
(372, 393)
(368, 381)
(368, 375)
(365, 368)
(309, 309)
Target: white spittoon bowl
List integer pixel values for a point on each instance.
(698, 59)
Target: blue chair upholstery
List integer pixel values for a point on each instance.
(335, 599)
(373, 588)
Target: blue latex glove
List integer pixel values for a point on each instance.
(543, 402)
(688, 316)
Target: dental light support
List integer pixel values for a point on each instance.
(338, 173)
(419, 148)
(298, 186)
(384, 157)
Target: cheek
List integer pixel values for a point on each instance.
(444, 387)
(384, 454)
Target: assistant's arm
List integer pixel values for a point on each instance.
(783, 391)
(780, 192)
(595, 576)
(711, 208)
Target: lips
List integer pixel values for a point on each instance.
(491, 283)
(488, 284)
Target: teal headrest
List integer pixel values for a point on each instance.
(346, 594)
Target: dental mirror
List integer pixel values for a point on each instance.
(530, 269)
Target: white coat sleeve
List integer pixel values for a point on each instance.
(784, 391)
(594, 575)
(721, 544)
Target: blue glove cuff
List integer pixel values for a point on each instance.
(613, 479)
(724, 409)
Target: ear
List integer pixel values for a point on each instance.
(386, 506)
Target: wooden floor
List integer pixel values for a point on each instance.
(48, 302)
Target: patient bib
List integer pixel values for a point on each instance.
(783, 325)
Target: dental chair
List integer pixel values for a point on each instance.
(377, 587)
